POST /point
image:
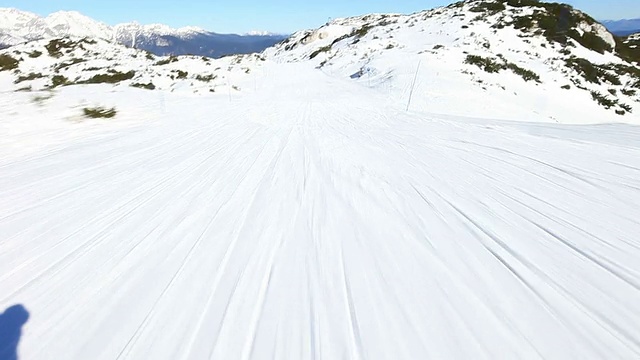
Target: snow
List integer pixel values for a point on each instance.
(99, 57)
(313, 218)
(293, 208)
(436, 42)
(20, 26)
(14, 19)
(65, 23)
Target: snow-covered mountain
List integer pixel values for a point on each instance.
(19, 26)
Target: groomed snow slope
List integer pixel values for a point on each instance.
(313, 219)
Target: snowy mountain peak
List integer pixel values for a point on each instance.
(13, 19)
(157, 29)
(73, 23)
(18, 27)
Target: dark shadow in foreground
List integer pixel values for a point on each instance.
(11, 321)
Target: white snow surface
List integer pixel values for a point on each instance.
(313, 218)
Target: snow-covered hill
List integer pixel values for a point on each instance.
(18, 27)
(489, 54)
(49, 64)
(501, 60)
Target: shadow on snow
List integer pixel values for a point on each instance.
(11, 322)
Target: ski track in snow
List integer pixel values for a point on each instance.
(325, 226)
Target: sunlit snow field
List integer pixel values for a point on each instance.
(313, 217)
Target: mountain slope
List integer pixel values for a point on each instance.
(537, 63)
(18, 27)
(315, 220)
(551, 54)
(505, 61)
(49, 64)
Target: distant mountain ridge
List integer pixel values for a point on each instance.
(623, 27)
(18, 27)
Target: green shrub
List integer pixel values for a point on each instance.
(31, 76)
(169, 60)
(622, 70)
(494, 66)
(603, 100)
(527, 75)
(148, 86)
(565, 51)
(182, 74)
(319, 51)
(627, 49)
(487, 64)
(206, 78)
(566, 87)
(591, 72)
(113, 78)
(625, 107)
(58, 80)
(67, 64)
(35, 54)
(99, 112)
(54, 47)
(490, 7)
(629, 92)
(591, 41)
(8, 63)
(522, 3)
(340, 38)
(363, 31)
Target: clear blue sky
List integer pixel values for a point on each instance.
(282, 16)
